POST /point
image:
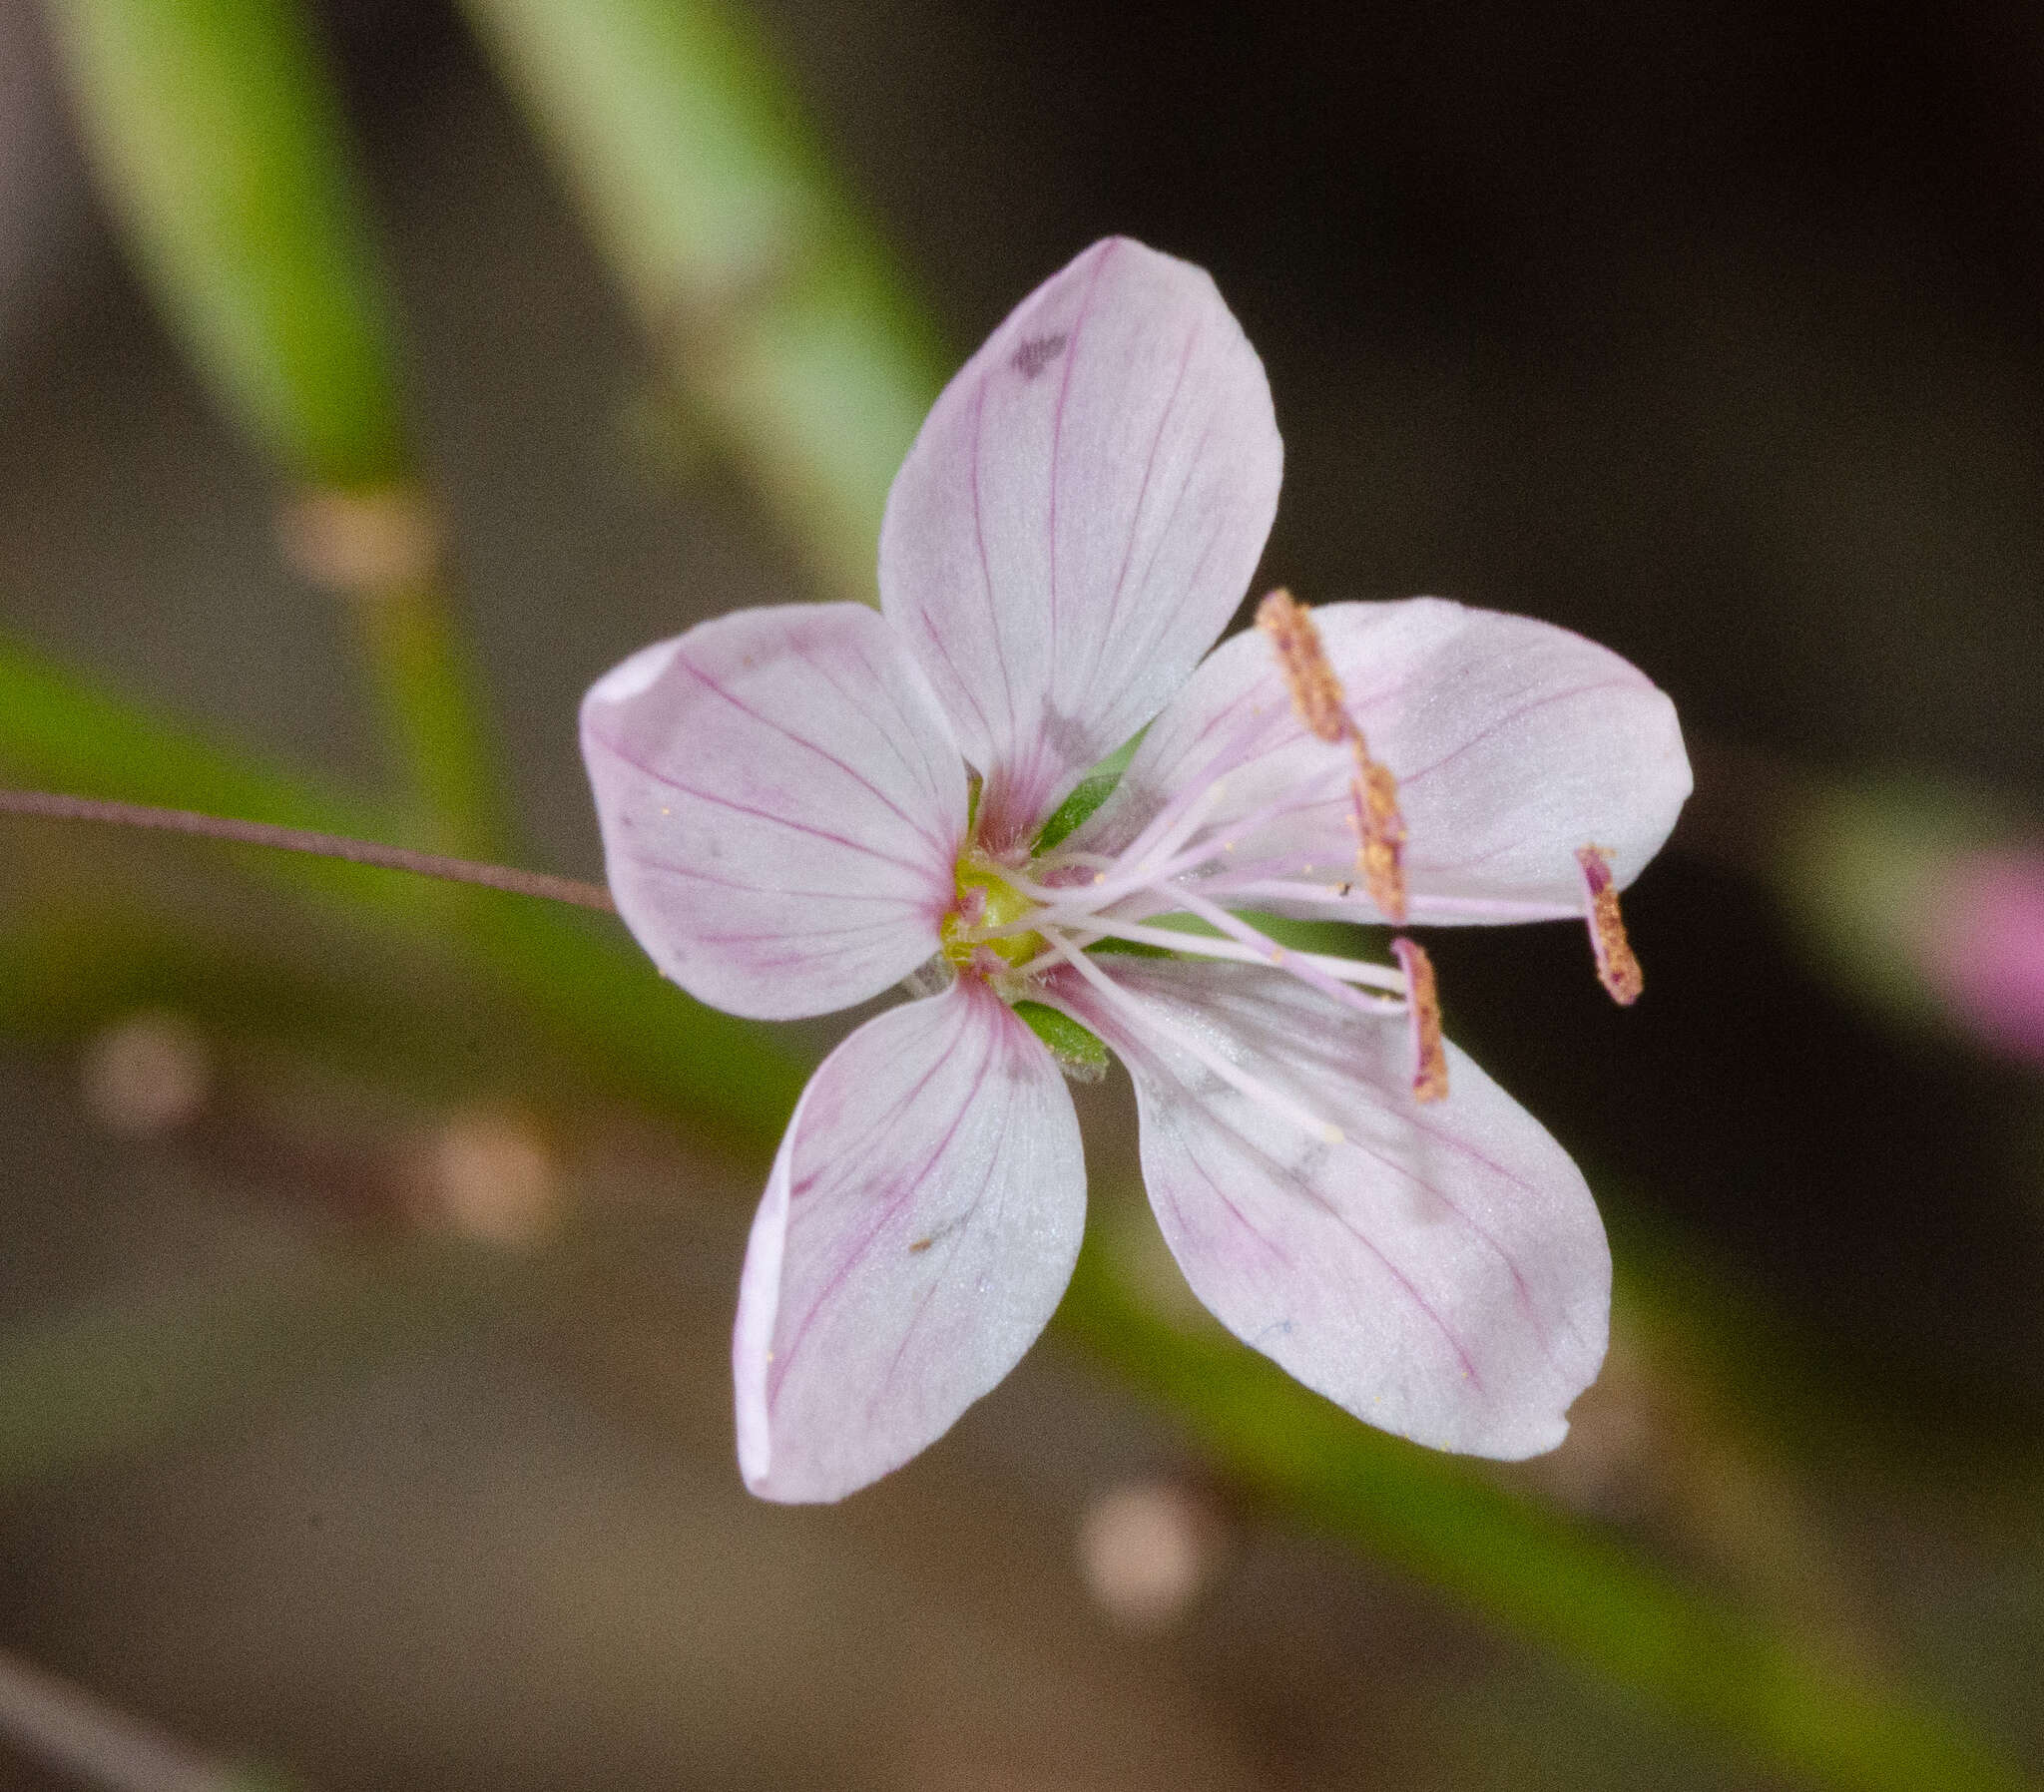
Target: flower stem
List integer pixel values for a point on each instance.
(50, 806)
(220, 142)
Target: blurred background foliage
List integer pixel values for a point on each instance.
(376, 374)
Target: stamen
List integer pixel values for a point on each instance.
(1423, 1004)
(1617, 969)
(1260, 891)
(1379, 834)
(1145, 861)
(1144, 1017)
(1318, 697)
(1198, 944)
(1316, 691)
(1302, 965)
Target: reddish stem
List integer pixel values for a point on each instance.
(52, 807)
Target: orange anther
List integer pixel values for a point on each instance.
(1379, 834)
(1317, 696)
(1316, 691)
(1617, 969)
(1423, 1008)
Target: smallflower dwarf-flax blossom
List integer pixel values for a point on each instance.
(805, 805)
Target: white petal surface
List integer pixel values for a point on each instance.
(1514, 743)
(782, 807)
(1440, 1272)
(918, 1228)
(1079, 518)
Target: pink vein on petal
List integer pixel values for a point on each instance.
(1282, 1256)
(986, 574)
(1185, 484)
(1540, 703)
(725, 802)
(753, 887)
(957, 1230)
(781, 935)
(1250, 1148)
(906, 1187)
(1185, 362)
(917, 769)
(1341, 1219)
(1057, 441)
(822, 753)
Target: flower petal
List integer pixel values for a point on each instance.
(782, 807)
(918, 1228)
(1079, 518)
(1440, 1271)
(1514, 743)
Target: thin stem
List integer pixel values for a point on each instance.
(52, 807)
(72, 1730)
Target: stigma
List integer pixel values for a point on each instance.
(984, 930)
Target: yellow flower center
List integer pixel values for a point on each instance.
(986, 900)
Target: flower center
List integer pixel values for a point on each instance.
(1032, 929)
(987, 903)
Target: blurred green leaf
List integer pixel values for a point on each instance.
(577, 973)
(220, 144)
(83, 1735)
(1865, 868)
(59, 729)
(760, 285)
(424, 683)
(98, 1383)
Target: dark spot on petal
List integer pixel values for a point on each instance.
(920, 1244)
(1037, 354)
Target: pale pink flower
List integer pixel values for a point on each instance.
(790, 827)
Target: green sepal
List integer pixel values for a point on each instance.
(1093, 790)
(1066, 819)
(1079, 1051)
